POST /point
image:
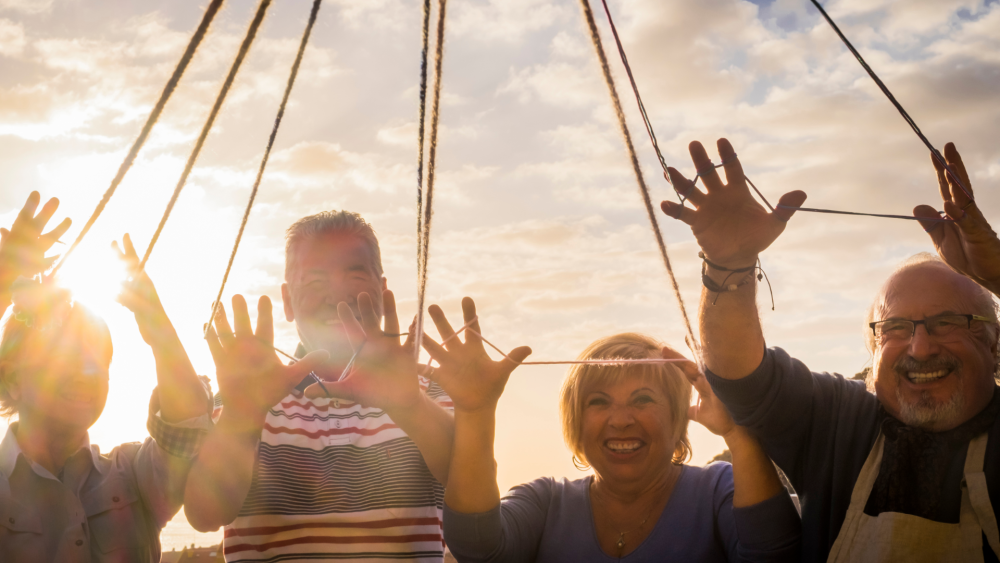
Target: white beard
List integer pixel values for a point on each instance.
(925, 411)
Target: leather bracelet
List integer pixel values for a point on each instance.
(724, 287)
(724, 269)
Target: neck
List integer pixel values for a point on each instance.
(45, 443)
(628, 493)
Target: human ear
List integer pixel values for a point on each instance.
(286, 302)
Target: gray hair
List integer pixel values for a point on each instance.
(982, 303)
(346, 222)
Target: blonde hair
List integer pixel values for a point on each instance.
(630, 346)
(346, 222)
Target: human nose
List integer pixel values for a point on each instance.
(922, 344)
(621, 417)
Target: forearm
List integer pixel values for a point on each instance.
(182, 394)
(732, 338)
(472, 484)
(220, 478)
(432, 429)
(755, 478)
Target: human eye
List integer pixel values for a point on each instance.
(946, 323)
(597, 402)
(643, 399)
(895, 328)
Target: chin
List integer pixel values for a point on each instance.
(928, 412)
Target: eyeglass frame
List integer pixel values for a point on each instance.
(968, 318)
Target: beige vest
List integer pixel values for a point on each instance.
(892, 536)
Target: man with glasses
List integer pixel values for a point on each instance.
(907, 473)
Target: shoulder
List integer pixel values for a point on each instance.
(713, 480)
(550, 489)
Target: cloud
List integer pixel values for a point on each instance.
(29, 7)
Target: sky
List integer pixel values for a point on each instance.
(537, 213)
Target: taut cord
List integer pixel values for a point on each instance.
(424, 236)
(643, 189)
(168, 90)
(267, 153)
(240, 55)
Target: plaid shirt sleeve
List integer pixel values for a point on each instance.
(181, 439)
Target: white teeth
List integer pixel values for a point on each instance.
(623, 445)
(917, 377)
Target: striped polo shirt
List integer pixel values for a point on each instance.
(335, 480)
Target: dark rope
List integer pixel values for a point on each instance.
(888, 94)
(267, 153)
(168, 90)
(910, 217)
(424, 236)
(638, 98)
(422, 112)
(643, 189)
(244, 48)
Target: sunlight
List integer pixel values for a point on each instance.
(95, 275)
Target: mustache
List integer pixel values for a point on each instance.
(907, 363)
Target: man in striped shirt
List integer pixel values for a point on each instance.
(295, 475)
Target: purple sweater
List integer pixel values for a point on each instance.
(549, 520)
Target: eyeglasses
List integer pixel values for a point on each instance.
(941, 326)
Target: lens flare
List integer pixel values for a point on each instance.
(95, 277)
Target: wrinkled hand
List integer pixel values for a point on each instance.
(23, 246)
(729, 224)
(384, 374)
(969, 244)
(138, 294)
(251, 377)
(472, 380)
(709, 412)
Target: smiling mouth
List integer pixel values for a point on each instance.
(927, 376)
(623, 446)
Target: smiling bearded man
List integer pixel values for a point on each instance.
(911, 472)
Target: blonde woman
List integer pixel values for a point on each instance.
(628, 422)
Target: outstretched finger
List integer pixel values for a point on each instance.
(678, 211)
(444, 327)
(942, 178)
(390, 315)
(48, 210)
(214, 346)
(932, 221)
(265, 321)
(436, 351)
(27, 212)
(730, 162)
(472, 319)
(689, 368)
(791, 199)
(514, 359)
(706, 169)
(955, 163)
(688, 189)
(241, 317)
(225, 332)
(369, 318)
(355, 332)
(51, 237)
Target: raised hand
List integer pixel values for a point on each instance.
(709, 411)
(251, 377)
(384, 373)
(969, 245)
(23, 246)
(138, 294)
(472, 380)
(729, 224)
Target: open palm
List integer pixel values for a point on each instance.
(471, 378)
(731, 227)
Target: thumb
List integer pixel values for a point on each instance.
(791, 199)
(931, 227)
(514, 359)
(297, 371)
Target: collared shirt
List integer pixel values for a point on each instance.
(101, 507)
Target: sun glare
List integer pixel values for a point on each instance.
(95, 275)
